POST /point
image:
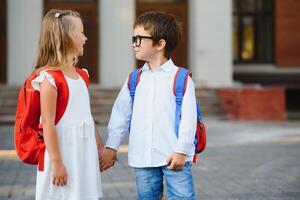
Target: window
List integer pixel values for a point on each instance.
(253, 31)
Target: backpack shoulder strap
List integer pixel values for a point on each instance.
(62, 93)
(133, 80)
(84, 75)
(179, 87)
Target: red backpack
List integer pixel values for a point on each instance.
(179, 87)
(28, 132)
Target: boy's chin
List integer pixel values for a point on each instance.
(139, 58)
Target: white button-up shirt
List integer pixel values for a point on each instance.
(152, 137)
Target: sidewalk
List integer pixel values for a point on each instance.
(243, 160)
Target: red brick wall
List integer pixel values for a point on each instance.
(287, 32)
(253, 103)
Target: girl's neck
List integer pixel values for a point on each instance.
(157, 62)
(70, 63)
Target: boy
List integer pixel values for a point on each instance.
(154, 149)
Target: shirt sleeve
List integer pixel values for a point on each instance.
(187, 125)
(119, 119)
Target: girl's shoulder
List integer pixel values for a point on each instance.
(45, 68)
(52, 74)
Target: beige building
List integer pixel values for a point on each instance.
(225, 42)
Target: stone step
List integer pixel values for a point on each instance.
(106, 108)
(102, 100)
(104, 119)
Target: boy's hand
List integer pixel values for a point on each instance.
(59, 173)
(176, 161)
(107, 158)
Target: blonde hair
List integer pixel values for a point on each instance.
(56, 39)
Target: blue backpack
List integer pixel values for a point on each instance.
(179, 87)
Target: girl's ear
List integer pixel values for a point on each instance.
(161, 44)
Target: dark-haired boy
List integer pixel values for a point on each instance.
(154, 150)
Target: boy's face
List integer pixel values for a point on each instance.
(143, 46)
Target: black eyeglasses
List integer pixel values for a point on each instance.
(138, 39)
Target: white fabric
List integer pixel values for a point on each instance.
(76, 136)
(86, 71)
(39, 79)
(152, 137)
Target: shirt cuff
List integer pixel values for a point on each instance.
(185, 148)
(113, 142)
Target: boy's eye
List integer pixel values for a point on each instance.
(136, 40)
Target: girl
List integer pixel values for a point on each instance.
(73, 145)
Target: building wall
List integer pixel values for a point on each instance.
(209, 43)
(116, 54)
(24, 24)
(287, 33)
(210, 54)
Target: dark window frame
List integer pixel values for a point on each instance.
(255, 15)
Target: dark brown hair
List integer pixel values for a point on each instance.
(161, 26)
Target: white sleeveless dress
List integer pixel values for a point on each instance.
(76, 137)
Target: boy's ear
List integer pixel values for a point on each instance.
(161, 44)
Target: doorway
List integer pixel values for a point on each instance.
(88, 10)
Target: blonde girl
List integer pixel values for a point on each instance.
(73, 145)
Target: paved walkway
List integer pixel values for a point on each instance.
(244, 160)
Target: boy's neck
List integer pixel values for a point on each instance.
(157, 62)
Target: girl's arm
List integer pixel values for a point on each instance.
(48, 96)
(100, 146)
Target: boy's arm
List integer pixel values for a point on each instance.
(119, 119)
(187, 129)
(117, 127)
(187, 125)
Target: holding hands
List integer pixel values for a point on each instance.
(107, 158)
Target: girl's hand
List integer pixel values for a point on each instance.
(176, 161)
(107, 158)
(59, 174)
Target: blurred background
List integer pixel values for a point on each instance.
(245, 60)
(243, 53)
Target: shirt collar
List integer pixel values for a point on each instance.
(167, 66)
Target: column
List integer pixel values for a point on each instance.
(24, 24)
(210, 49)
(116, 54)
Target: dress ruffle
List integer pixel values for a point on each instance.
(38, 80)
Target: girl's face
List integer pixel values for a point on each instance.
(78, 34)
(143, 46)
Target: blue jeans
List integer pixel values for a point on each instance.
(149, 183)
